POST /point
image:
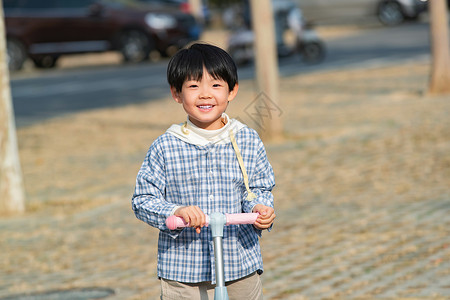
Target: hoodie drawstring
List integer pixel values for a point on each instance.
(184, 129)
(250, 196)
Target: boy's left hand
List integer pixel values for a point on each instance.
(266, 216)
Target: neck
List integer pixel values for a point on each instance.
(216, 125)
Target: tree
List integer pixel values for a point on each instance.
(266, 63)
(440, 48)
(12, 194)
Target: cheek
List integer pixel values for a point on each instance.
(223, 96)
(185, 99)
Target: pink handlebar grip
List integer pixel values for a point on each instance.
(235, 219)
(174, 222)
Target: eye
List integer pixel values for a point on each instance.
(191, 84)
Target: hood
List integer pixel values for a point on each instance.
(189, 133)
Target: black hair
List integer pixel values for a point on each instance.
(188, 63)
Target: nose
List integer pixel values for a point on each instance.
(205, 92)
(205, 96)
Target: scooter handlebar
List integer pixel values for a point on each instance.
(174, 222)
(243, 218)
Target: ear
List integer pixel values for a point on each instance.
(233, 92)
(176, 95)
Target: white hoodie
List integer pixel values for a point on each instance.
(190, 133)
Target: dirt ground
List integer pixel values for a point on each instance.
(359, 139)
(371, 133)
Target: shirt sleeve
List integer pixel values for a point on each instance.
(261, 181)
(148, 202)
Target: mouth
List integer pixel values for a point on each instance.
(205, 107)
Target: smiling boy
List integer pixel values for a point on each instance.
(210, 163)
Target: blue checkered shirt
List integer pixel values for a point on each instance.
(176, 173)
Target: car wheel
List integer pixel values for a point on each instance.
(16, 54)
(390, 13)
(45, 62)
(134, 46)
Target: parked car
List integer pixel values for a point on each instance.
(44, 30)
(388, 12)
(184, 6)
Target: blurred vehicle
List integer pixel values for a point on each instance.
(46, 29)
(182, 5)
(288, 19)
(388, 12)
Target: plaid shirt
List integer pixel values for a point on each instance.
(176, 173)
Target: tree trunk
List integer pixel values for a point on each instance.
(12, 195)
(440, 48)
(265, 109)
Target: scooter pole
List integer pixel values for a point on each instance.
(217, 221)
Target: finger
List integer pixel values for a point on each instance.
(185, 215)
(201, 217)
(268, 220)
(269, 216)
(262, 226)
(198, 218)
(264, 210)
(195, 217)
(266, 223)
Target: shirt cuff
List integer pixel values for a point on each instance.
(175, 209)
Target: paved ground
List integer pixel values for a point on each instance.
(362, 196)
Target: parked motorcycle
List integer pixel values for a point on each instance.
(306, 41)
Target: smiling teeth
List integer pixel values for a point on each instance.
(205, 106)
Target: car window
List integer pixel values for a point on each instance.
(19, 5)
(74, 3)
(175, 2)
(10, 3)
(45, 4)
(31, 4)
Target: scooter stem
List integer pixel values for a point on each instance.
(216, 222)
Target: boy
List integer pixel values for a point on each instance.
(208, 164)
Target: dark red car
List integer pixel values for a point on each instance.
(46, 29)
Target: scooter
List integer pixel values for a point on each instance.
(217, 221)
(306, 40)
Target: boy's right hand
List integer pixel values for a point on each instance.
(192, 215)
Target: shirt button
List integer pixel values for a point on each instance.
(211, 173)
(211, 197)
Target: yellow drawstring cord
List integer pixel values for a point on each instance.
(184, 129)
(250, 196)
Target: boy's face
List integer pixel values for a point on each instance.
(204, 101)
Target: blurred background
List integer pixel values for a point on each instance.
(362, 164)
(126, 40)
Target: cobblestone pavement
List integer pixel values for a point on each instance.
(362, 196)
(316, 251)
(349, 251)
